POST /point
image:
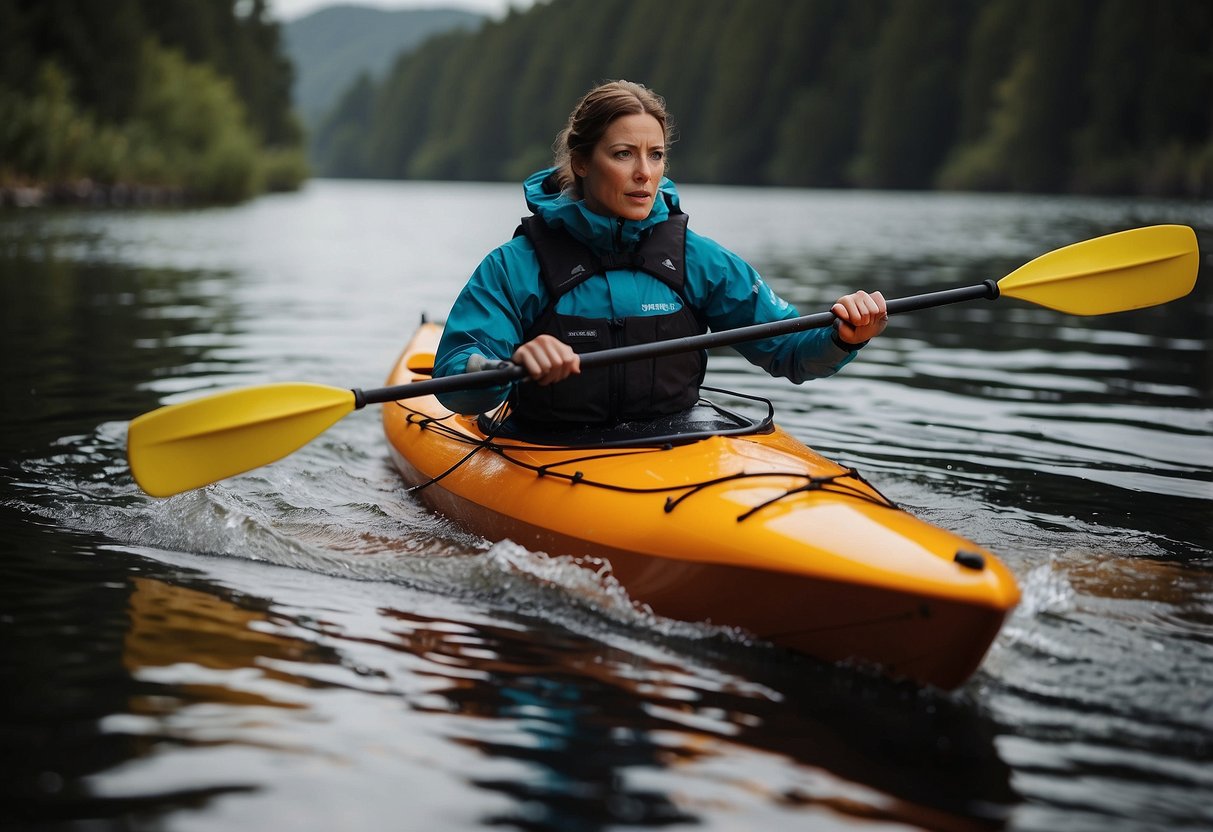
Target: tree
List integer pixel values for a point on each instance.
(1028, 95)
(912, 104)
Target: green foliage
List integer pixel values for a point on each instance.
(282, 168)
(1148, 117)
(340, 147)
(188, 97)
(1094, 96)
(823, 116)
(43, 136)
(240, 42)
(912, 99)
(193, 131)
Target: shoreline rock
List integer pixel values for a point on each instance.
(89, 194)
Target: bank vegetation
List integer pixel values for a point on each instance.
(135, 101)
(1079, 96)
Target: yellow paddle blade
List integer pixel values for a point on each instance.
(192, 444)
(1126, 270)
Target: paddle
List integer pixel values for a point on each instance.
(189, 445)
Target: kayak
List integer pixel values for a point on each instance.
(716, 518)
(706, 516)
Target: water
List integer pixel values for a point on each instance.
(306, 647)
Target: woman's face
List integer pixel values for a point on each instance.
(621, 175)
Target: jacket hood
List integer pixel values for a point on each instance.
(559, 210)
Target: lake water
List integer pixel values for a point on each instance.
(306, 647)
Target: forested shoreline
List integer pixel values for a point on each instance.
(136, 101)
(1076, 96)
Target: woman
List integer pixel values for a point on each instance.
(606, 259)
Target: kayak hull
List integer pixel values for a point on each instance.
(756, 532)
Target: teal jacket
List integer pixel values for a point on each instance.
(506, 294)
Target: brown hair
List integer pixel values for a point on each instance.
(591, 118)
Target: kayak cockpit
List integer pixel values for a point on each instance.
(706, 418)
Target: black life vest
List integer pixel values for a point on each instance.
(620, 392)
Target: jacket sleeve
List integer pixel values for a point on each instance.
(485, 320)
(731, 294)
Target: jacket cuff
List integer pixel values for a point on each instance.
(843, 345)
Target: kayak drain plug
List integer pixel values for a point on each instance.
(970, 560)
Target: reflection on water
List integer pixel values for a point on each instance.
(166, 671)
(571, 730)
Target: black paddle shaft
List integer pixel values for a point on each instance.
(504, 372)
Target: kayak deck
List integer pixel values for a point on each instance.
(754, 531)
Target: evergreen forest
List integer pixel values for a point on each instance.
(1078, 96)
(184, 98)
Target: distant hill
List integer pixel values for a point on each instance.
(331, 47)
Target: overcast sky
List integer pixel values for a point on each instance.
(291, 9)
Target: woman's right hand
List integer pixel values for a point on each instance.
(547, 360)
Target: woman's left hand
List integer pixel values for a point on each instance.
(861, 316)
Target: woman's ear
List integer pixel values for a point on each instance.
(577, 165)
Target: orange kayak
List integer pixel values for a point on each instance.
(749, 529)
